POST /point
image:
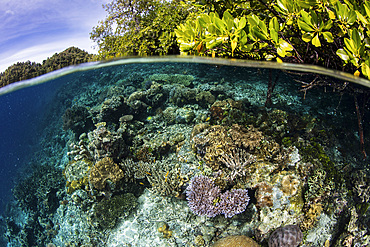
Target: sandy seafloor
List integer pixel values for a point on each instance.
(120, 145)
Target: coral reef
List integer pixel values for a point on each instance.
(217, 141)
(204, 198)
(237, 162)
(105, 143)
(104, 170)
(287, 236)
(185, 80)
(165, 230)
(106, 213)
(127, 178)
(77, 118)
(361, 180)
(236, 241)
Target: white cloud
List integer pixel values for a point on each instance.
(9, 12)
(40, 28)
(41, 52)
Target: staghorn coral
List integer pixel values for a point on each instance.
(237, 162)
(286, 236)
(104, 170)
(165, 178)
(204, 198)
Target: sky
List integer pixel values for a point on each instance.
(37, 29)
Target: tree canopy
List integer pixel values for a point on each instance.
(138, 27)
(330, 33)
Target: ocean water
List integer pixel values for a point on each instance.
(119, 154)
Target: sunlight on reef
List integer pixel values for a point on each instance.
(194, 152)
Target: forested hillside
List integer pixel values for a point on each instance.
(26, 70)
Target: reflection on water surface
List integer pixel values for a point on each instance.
(186, 153)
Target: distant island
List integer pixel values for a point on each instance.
(27, 70)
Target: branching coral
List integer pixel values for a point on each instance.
(362, 185)
(204, 198)
(164, 179)
(102, 171)
(237, 162)
(215, 142)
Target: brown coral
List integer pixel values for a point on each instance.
(289, 185)
(217, 141)
(236, 241)
(102, 171)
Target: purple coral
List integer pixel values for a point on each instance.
(204, 198)
(286, 236)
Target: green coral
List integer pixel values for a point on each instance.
(108, 211)
(314, 152)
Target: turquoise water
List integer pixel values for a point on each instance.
(103, 154)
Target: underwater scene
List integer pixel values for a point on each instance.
(185, 152)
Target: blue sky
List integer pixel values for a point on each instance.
(36, 29)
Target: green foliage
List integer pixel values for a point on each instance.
(20, 71)
(139, 28)
(330, 33)
(27, 70)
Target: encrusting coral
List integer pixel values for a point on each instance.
(105, 169)
(204, 198)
